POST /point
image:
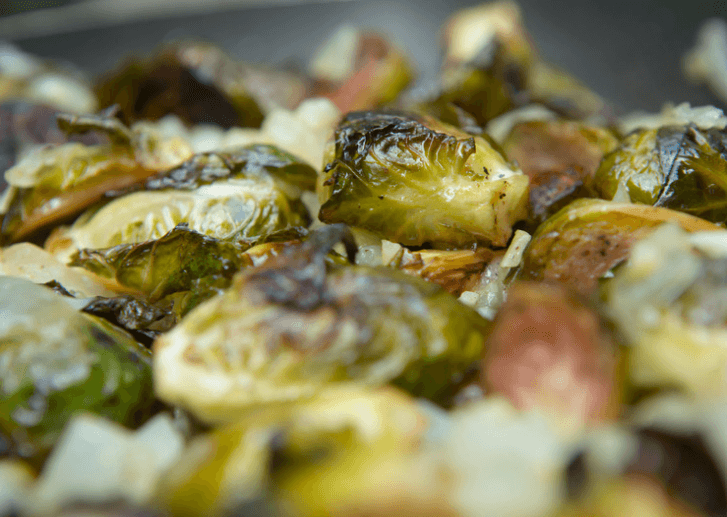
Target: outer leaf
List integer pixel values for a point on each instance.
(56, 183)
(679, 167)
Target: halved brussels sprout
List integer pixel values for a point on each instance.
(346, 452)
(293, 326)
(415, 181)
(678, 167)
(549, 349)
(53, 184)
(560, 157)
(56, 362)
(586, 239)
(240, 196)
(360, 70)
(670, 301)
(199, 83)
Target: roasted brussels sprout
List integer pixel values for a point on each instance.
(240, 196)
(491, 66)
(488, 56)
(56, 183)
(678, 167)
(417, 181)
(550, 349)
(289, 328)
(199, 83)
(670, 301)
(346, 452)
(586, 239)
(560, 157)
(360, 70)
(57, 362)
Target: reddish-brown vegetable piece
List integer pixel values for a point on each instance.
(550, 350)
(379, 72)
(560, 157)
(584, 240)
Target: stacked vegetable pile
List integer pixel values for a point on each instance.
(231, 290)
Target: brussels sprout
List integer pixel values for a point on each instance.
(56, 183)
(550, 349)
(678, 167)
(56, 362)
(491, 66)
(488, 56)
(285, 330)
(670, 300)
(240, 196)
(199, 83)
(586, 239)
(456, 271)
(347, 452)
(560, 157)
(414, 180)
(360, 70)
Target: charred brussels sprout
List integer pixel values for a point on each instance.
(240, 196)
(417, 181)
(678, 167)
(586, 239)
(56, 362)
(284, 331)
(55, 183)
(199, 83)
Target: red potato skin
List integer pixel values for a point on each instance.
(549, 350)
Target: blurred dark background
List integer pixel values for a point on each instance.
(627, 50)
